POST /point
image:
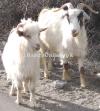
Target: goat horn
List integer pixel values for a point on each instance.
(62, 7)
(82, 5)
(57, 9)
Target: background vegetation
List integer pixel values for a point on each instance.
(11, 11)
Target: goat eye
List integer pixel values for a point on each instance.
(28, 36)
(80, 19)
(80, 16)
(65, 8)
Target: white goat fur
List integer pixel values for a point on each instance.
(48, 16)
(58, 37)
(18, 65)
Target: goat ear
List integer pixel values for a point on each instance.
(20, 29)
(43, 29)
(86, 16)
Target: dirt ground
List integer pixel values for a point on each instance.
(69, 98)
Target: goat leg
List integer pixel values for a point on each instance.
(66, 75)
(82, 77)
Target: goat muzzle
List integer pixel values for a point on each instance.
(37, 47)
(75, 33)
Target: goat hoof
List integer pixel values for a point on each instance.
(33, 103)
(24, 91)
(17, 102)
(47, 77)
(66, 78)
(83, 86)
(12, 94)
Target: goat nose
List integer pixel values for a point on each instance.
(37, 47)
(74, 33)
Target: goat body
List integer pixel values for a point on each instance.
(21, 58)
(66, 36)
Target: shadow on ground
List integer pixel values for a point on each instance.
(49, 104)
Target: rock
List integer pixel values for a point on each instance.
(59, 84)
(98, 75)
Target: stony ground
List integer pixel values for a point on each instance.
(69, 98)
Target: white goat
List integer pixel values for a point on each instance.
(66, 36)
(21, 57)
